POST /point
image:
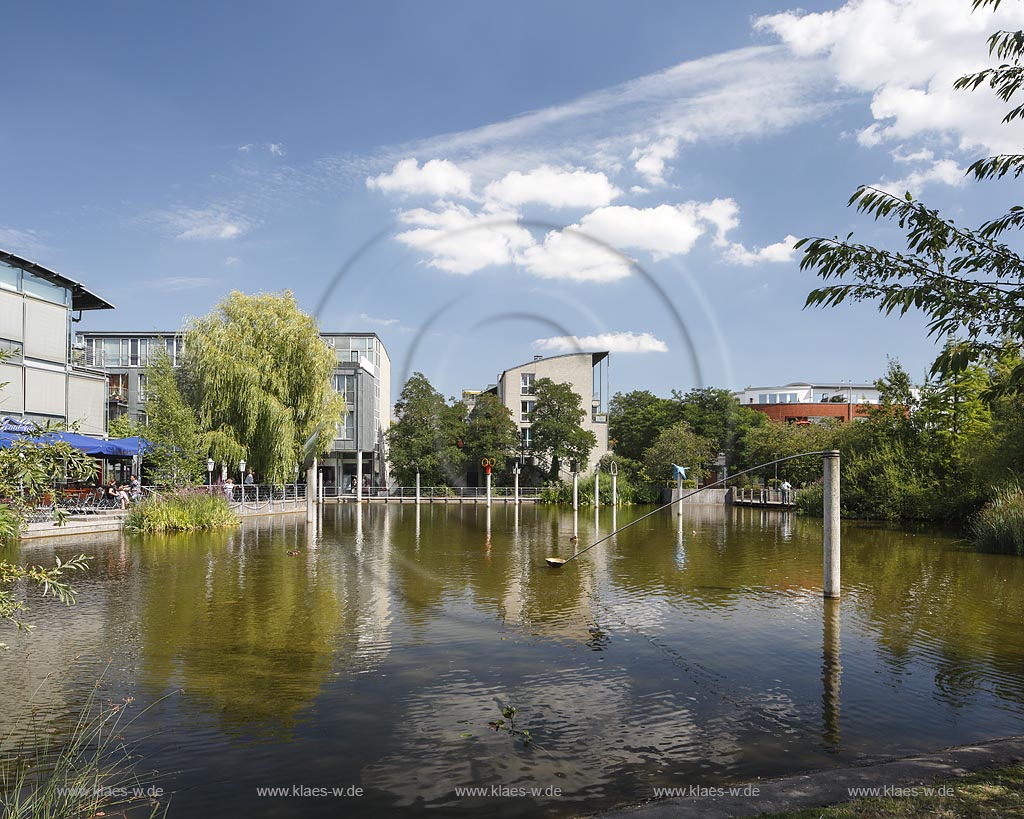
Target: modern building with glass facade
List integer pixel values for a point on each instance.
(45, 378)
(362, 376)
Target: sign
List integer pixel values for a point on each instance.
(19, 425)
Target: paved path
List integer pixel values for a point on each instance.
(832, 786)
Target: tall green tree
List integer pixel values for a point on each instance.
(968, 281)
(556, 425)
(258, 376)
(491, 432)
(715, 414)
(678, 444)
(426, 436)
(636, 418)
(177, 454)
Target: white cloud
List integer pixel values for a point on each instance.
(384, 322)
(557, 188)
(625, 342)
(463, 242)
(437, 177)
(22, 242)
(276, 148)
(907, 55)
(174, 283)
(231, 261)
(650, 160)
(566, 255)
(779, 252)
(244, 149)
(944, 170)
(203, 223)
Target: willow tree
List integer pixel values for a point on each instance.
(258, 375)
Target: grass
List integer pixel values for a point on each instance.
(994, 793)
(89, 775)
(180, 512)
(999, 526)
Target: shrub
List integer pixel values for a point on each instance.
(999, 526)
(810, 500)
(180, 512)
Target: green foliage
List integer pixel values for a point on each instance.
(124, 426)
(89, 774)
(556, 425)
(774, 440)
(29, 469)
(51, 581)
(629, 490)
(635, 419)
(258, 376)
(678, 444)
(716, 415)
(177, 455)
(183, 511)
(425, 435)
(966, 281)
(999, 526)
(490, 432)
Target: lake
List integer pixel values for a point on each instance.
(378, 660)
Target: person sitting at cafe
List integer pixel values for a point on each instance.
(116, 493)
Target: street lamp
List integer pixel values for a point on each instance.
(209, 471)
(241, 471)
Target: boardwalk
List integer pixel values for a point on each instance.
(763, 498)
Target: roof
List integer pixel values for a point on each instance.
(596, 358)
(81, 298)
(817, 385)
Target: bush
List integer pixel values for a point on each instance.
(999, 526)
(811, 500)
(629, 492)
(180, 512)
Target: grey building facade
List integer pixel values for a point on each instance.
(46, 378)
(362, 376)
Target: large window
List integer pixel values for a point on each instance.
(527, 439)
(526, 383)
(525, 409)
(347, 386)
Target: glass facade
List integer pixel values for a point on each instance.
(23, 281)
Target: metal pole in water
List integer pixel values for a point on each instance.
(488, 490)
(575, 491)
(515, 477)
(679, 489)
(417, 487)
(832, 531)
(359, 476)
(615, 484)
(597, 486)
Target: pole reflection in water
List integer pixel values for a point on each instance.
(831, 676)
(487, 543)
(680, 545)
(417, 536)
(359, 528)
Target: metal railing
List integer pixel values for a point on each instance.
(463, 492)
(765, 496)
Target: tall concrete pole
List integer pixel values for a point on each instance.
(311, 492)
(488, 493)
(575, 491)
(417, 489)
(359, 476)
(679, 489)
(597, 487)
(615, 490)
(515, 478)
(832, 531)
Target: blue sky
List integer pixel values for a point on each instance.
(485, 174)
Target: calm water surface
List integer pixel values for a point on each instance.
(692, 651)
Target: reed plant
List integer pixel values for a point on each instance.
(182, 511)
(999, 526)
(92, 773)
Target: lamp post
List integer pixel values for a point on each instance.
(209, 471)
(241, 471)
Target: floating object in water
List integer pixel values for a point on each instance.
(555, 562)
(573, 540)
(292, 552)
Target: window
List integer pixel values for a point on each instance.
(526, 383)
(117, 386)
(527, 439)
(142, 386)
(12, 348)
(526, 407)
(773, 398)
(762, 398)
(10, 277)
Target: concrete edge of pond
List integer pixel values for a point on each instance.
(830, 787)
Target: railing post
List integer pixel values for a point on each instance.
(832, 528)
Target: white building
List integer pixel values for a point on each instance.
(45, 381)
(588, 375)
(802, 392)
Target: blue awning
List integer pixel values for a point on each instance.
(90, 446)
(136, 445)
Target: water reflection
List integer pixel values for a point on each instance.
(694, 647)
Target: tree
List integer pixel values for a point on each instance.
(258, 376)
(715, 414)
(490, 431)
(176, 455)
(426, 436)
(678, 445)
(635, 419)
(555, 425)
(966, 281)
(123, 426)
